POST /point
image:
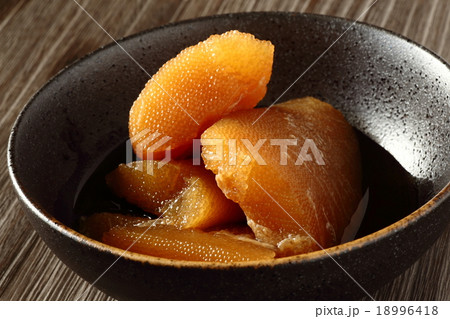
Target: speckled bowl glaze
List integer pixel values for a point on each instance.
(392, 90)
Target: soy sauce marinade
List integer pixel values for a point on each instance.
(392, 190)
(96, 197)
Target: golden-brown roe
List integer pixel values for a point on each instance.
(183, 194)
(186, 244)
(223, 74)
(297, 203)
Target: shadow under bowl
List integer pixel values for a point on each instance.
(394, 92)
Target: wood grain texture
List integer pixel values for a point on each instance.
(41, 37)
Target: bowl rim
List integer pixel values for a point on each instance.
(331, 252)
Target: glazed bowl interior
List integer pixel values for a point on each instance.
(395, 94)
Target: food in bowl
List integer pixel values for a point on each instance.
(204, 82)
(302, 190)
(292, 204)
(408, 203)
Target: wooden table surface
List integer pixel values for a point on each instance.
(39, 37)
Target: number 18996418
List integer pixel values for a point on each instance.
(404, 310)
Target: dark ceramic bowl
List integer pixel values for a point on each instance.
(393, 91)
